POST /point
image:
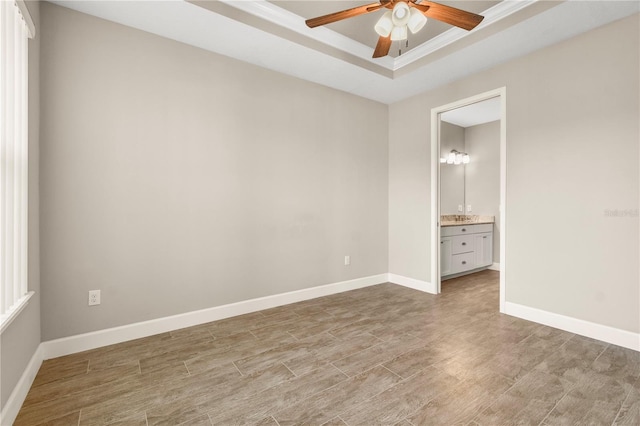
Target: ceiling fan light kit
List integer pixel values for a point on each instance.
(396, 22)
(417, 21)
(404, 14)
(399, 33)
(384, 25)
(400, 15)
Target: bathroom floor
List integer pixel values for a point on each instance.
(380, 355)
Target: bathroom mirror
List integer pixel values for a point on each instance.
(452, 176)
(471, 188)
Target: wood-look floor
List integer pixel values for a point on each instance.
(379, 355)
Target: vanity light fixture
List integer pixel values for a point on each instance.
(456, 157)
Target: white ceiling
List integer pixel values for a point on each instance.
(261, 33)
(474, 114)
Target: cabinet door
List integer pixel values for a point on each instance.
(445, 256)
(484, 249)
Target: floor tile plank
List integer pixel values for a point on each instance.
(323, 406)
(208, 398)
(406, 397)
(277, 398)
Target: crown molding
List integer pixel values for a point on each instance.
(491, 16)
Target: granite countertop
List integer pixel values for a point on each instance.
(461, 219)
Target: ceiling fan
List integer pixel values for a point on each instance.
(402, 15)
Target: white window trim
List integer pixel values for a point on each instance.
(15, 311)
(18, 181)
(27, 17)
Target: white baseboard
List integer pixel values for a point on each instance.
(494, 266)
(605, 333)
(413, 283)
(110, 336)
(20, 391)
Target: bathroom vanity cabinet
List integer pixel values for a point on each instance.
(465, 248)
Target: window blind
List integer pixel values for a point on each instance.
(15, 29)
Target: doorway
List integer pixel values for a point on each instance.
(497, 96)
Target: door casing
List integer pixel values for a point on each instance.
(435, 184)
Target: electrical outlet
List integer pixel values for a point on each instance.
(347, 260)
(469, 208)
(94, 297)
(460, 208)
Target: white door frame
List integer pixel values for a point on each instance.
(435, 184)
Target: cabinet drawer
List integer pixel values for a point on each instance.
(462, 262)
(448, 231)
(462, 244)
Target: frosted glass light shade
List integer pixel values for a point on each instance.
(466, 159)
(399, 33)
(401, 14)
(384, 25)
(416, 21)
(451, 158)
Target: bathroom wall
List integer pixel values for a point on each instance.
(482, 175)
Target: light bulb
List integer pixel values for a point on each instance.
(384, 25)
(399, 33)
(416, 21)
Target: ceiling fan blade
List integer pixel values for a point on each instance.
(450, 15)
(339, 16)
(383, 46)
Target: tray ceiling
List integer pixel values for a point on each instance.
(272, 34)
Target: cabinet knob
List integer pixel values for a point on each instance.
(464, 262)
(464, 230)
(484, 236)
(464, 244)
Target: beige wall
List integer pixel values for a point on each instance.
(572, 108)
(175, 179)
(20, 340)
(482, 175)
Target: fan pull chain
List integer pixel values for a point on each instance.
(400, 47)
